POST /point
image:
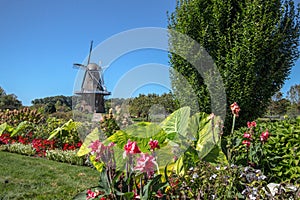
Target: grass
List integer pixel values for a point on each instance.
(23, 177)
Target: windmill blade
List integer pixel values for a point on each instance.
(77, 65)
(91, 47)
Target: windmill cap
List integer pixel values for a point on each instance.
(93, 66)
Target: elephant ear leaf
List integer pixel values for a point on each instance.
(209, 136)
(23, 125)
(175, 125)
(93, 136)
(216, 156)
(3, 128)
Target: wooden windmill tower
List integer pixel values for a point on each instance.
(92, 88)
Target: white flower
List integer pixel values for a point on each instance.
(195, 175)
(252, 197)
(213, 176)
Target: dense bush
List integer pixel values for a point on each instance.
(24, 149)
(278, 156)
(66, 156)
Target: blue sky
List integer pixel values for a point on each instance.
(40, 41)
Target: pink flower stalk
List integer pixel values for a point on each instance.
(235, 109)
(247, 135)
(264, 136)
(246, 142)
(90, 194)
(146, 163)
(251, 124)
(153, 144)
(131, 148)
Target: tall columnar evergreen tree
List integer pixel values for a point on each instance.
(254, 45)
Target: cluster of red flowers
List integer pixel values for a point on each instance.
(6, 139)
(40, 145)
(67, 146)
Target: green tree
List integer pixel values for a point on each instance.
(278, 105)
(253, 44)
(9, 101)
(294, 96)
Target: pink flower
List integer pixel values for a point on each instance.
(90, 194)
(95, 145)
(246, 142)
(131, 148)
(251, 124)
(235, 109)
(153, 144)
(247, 135)
(146, 163)
(264, 136)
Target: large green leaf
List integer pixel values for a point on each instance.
(196, 122)
(22, 126)
(209, 136)
(177, 123)
(141, 133)
(3, 127)
(68, 127)
(93, 136)
(216, 156)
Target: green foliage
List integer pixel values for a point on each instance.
(140, 106)
(65, 156)
(206, 181)
(278, 157)
(109, 125)
(24, 149)
(67, 132)
(254, 44)
(190, 139)
(93, 136)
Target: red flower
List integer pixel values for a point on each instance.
(235, 109)
(153, 144)
(246, 142)
(247, 135)
(90, 194)
(264, 136)
(131, 148)
(251, 124)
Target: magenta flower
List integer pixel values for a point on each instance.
(247, 143)
(235, 109)
(95, 145)
(247, 135)
(131, 148)
(264, 136)
(146, 163)
(153, 144)
(251, 124)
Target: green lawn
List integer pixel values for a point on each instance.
(23, 177)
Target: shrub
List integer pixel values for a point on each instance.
(24, 149)
(68, 156)
(278, 156)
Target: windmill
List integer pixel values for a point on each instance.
(92, 87)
